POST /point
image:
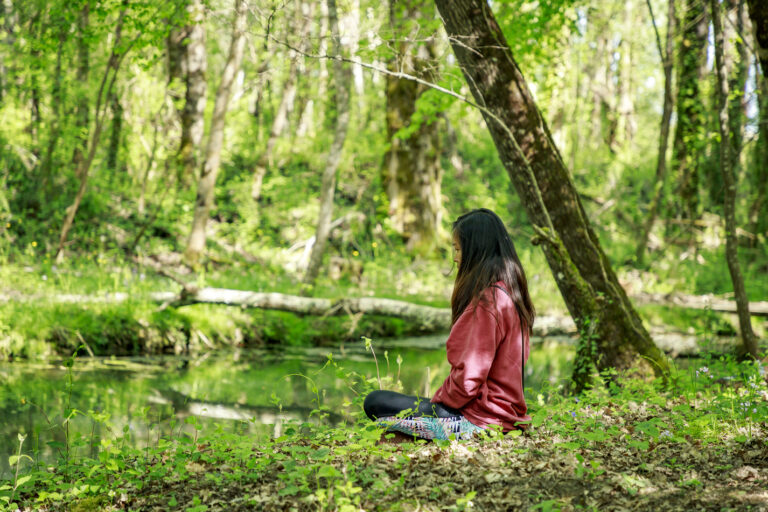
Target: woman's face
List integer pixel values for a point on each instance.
(456, 250)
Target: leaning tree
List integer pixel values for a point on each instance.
(612, 334)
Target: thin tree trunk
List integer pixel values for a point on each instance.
(285, 108)
(612, 333)
(82, 117)
(113, 149)
(34, 84)
(738, 80)
(342, 80)
(627, 126)
(758, 13)
(194, 67)
(666, 55)
(729, 178)
(57, 100)
(84, 166)
(207, 181)
(689, 131)
(6, 12)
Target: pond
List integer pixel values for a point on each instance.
(252, 392)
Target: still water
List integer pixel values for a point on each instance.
(252, 392)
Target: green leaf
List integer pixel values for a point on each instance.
(21, 481)
(328, 471)
(13, 459)
(288, 490)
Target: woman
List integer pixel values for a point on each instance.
(492, 318)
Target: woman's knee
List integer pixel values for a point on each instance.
(371, 404)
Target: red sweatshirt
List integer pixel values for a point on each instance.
(484, 350)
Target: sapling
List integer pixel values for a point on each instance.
(16, 460)
(369, 346)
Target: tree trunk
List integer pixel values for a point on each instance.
(57, 100)
(627, 126)
(729, 178)
(342, 78)
(758, 211)
(36, 71)
(207, 181)
(412, 174)
(666, 55)
(689, 132)
(758, 13)
(194, 65)
(6, 12)
(737, 78)
(84, 165)
(115, 136)
(82, 116)
(287, 101)
(612, 333)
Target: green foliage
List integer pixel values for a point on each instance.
(637, 434)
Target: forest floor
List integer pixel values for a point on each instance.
(700, 442)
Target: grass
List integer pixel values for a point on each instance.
(700, 443)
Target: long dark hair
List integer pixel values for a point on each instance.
(488, 256)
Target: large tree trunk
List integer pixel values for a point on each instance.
(342, 77)
(194, 65)
(666, 55)
(729, 178)
(613, 334)
(689, 132)
(758, 211)
(412, 174)
(758, 13)
(207, 181)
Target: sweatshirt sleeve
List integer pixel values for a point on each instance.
(471, 348)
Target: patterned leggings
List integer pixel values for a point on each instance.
(423, 419)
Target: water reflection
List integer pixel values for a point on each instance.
(251, 392)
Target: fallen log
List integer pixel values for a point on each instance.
(431, 318)
(706, 302)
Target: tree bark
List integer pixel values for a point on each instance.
(666, 55)
(689, 131)
(758, 211)
(194, 65)
(411, 171)
(612, 333)
(729, 207)
(207, 181)
(342, 78)
(758, 13)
